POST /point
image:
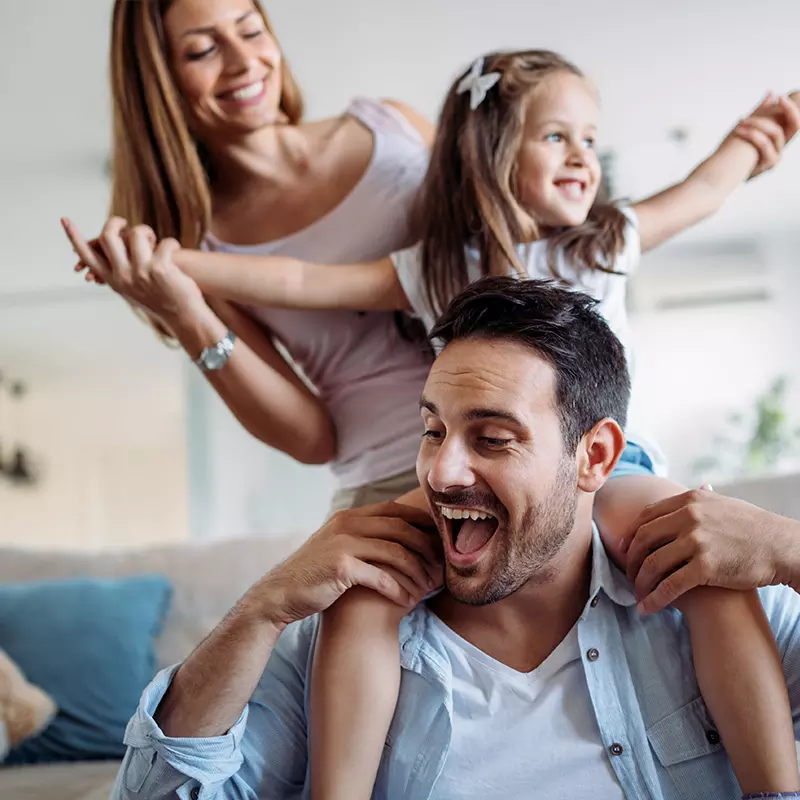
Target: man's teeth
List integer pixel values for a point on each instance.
(248, 92)
(463, 513)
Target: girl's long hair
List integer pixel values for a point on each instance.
(468, 197)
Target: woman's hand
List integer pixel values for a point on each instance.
(133, 266)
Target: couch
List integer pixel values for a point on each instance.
(207, 579)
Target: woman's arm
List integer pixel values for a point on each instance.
(262, 390)
(257, 385)
(755, 144)
(281, 282)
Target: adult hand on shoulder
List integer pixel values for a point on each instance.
(131, 263)
(388, 547)
(700, 538)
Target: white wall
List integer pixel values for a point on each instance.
(240, 486)
(696, 366)
(112, 462)
(104, 420)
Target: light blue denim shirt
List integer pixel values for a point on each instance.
(658, 734)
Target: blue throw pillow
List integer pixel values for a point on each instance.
(89, 643)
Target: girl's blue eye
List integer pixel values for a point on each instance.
(589, 142)
(555, 137)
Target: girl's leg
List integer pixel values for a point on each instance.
(354, 687)
(736, 659)
(355, 677)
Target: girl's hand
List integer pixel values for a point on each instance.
(769, 128)
(133, 266)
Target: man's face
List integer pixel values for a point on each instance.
(500, 487)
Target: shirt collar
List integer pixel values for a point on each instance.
(606, 577)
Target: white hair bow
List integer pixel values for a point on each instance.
(477, 84)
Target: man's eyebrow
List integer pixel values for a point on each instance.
(427, 405)
(494, 413)
(478, 413)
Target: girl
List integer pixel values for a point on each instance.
(513, 185)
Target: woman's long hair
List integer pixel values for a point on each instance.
(160, 173)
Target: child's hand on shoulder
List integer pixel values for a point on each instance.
(768, 129)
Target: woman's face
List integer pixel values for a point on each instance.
(226, 65)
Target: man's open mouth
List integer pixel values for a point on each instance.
(470, 528)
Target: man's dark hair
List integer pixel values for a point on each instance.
(564, 328)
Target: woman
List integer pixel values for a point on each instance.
(210, 148)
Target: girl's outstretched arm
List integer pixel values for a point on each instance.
(282, 282)
(754, 146)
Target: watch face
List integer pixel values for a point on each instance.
(215, 358)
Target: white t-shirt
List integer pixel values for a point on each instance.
(520, 735)
(607, 288)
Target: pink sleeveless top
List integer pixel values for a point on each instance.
(368, 376)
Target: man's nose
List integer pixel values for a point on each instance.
(451, 468)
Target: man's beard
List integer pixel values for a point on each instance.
(524, 552)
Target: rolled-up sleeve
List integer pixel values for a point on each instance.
(263, 756)
(782, 607)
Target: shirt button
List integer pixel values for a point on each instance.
(616, 749)
(195, 793)
(593, 654)
(712, 736)
(595, 601)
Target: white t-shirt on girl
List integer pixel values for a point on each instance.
(607, 288)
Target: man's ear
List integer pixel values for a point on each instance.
(598, 453)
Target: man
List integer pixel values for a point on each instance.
(536, 654)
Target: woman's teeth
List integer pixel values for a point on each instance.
(463, 513)
(248, 92)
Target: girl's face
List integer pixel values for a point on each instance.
(558, 172)
(226, 65)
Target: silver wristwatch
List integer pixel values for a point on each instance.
(216, 356)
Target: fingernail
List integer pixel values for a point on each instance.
(640, 608)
